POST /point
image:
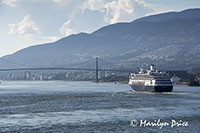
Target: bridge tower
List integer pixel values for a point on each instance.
(97, 72)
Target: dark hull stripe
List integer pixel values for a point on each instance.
(152, 88)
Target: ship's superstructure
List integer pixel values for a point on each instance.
(151, 80)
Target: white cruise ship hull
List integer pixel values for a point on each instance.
(151, 80)
(152, 88)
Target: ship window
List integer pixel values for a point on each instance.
(151, 82)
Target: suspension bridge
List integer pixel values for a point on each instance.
(68, 69)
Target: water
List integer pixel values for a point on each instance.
(58, 106)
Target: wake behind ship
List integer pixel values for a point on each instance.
(151, 80)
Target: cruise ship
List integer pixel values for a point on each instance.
(151, 80)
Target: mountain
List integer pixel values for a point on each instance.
(169, 40)
(186, 14)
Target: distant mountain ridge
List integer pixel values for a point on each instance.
(170, 41)
(186, 14)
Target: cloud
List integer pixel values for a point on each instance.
(62, 2)
(94, 5)
(114, 9)
(25, 27)
(117, 10)
(9, 2)
(65, 30)
(143, 3)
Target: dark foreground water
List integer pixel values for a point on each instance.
(57, 106)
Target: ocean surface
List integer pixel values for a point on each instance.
(61, 106)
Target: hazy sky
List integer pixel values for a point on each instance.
(29, 22)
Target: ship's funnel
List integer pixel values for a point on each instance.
(141, 70)
(152, 68)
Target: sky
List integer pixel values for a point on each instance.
(24, 23)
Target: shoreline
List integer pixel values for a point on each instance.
(114, 82)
